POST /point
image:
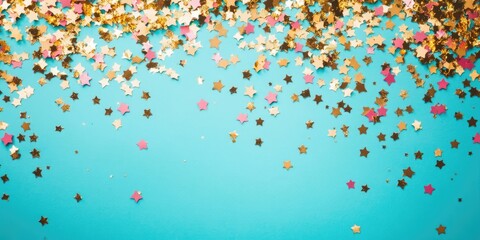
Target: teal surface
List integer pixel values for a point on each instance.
(197, 184)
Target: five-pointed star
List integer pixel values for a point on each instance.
(242, 117)
(355, 228)
(117, 123)
(147, 113)
(350, 184)
(142, 145)
(417, 125)
(332, 133)
(396, 70)
(7, 139)
(441, 229)
(428, 189)
(259, 122)
(273, 111)
(214, 42)
(421, 51)
(123, 108)
(37, 172)
(402, 183)
(250, 106)
(104, 82)
(438, 152)
(249, 91)
(408, 172)
(271, 98)
(302, 149)
(202, 104)
(217, 86)
(287, 164)
(43, 220)
(364, 152)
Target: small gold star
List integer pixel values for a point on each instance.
(355, 228)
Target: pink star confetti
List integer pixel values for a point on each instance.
(442, 84)
(195, 3)
(398, 43)
(271, 98)
(429, 189)
(123, 108)
(242, 117)
(370, 50)
(98, 58)
(266, 65)
(370, 115)
(350, 184)
(379, 11)
(65, 3)
(142, 145)
(16, 64)
(137, 196)
(7, 139)
(338, 24)
(298, 47)
(295, 25)
(271, 21)
(308, 78)
(419, 36)
(438, 109)
(202, 105)
(385, 71)
(389, 79)
(476, 138)
(216, 57)
(382, 111)
(465, 63)
(85, 79)
(78, 8)
(249, 28)
(150, 55)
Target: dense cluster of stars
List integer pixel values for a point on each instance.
(446, 42)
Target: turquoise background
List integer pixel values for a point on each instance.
(211, 188)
